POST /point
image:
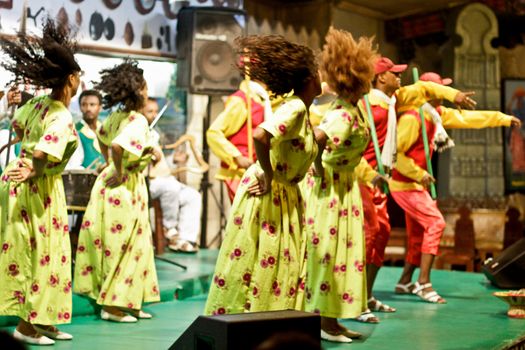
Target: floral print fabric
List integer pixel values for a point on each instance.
(115, 260)
(35, 256)
(336, 280)
(261, 262)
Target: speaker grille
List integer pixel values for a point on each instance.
(215, 61)
(207, 65)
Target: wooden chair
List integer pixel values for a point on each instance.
(180, 173)
(464, 252)
(158, 234)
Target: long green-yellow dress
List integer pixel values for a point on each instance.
(115, 261)
(261, 262)
(35, 255)
(336, 280)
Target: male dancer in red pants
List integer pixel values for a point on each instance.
(383, 102)
(410, 177)
(377, 226)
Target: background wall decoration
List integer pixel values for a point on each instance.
(118, 27)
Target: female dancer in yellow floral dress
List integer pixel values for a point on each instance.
(262, 257)
(336, 282)
(115, 261)
(35, 264)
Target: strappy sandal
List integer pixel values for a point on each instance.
(431, 296)
(183, 246)
(367, 317)
(377, 306)
(406, 288)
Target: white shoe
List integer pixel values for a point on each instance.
(110, 317)
(42, 340)
(142, 315)
(58, 335)
(335, 338)
(171, 233)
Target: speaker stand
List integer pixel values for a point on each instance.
(206, 187)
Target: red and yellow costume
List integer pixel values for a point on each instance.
(425, 224)
(228, 134)
(377, 223)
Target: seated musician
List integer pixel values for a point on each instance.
(181, 204)
(87, 155)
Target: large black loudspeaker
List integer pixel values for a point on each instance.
(507, 271)
(245, 331)
(206, 57)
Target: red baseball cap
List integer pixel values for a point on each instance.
(384, 64)
(435, 78)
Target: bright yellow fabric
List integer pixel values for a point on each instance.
(336, 282)
(411, 97)
(35, 256)
(409, 129)
(228, 123)
(115, 260)
(365, 173)
(261, 264)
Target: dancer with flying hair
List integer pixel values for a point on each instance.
(35, 261)
(261, 262)
(336, 280)
(115, 261)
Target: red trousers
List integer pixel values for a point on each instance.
(425, 224)
(377, 224)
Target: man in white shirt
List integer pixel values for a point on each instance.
(181, 204)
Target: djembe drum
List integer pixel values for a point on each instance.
(77, 186)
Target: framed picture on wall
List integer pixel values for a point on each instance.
(513, 102)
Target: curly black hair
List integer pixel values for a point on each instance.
(281, 65)
(46, 61)
(122, 84)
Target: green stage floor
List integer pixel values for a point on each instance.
(472, 319)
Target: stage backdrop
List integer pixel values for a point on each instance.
(121, 27)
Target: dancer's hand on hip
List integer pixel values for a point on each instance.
(262, 184)
(20, 174)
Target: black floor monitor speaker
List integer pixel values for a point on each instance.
(507, 270)
(245, 331)
(206, 57)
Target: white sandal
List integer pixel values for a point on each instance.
(406, 288)
(339, 338)
(183, 246)
(367, 317)
(431, 297)
(379, 306)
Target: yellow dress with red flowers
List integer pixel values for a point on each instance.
(336, 280)
(35, 256)
(115, 261)
(261, 262)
